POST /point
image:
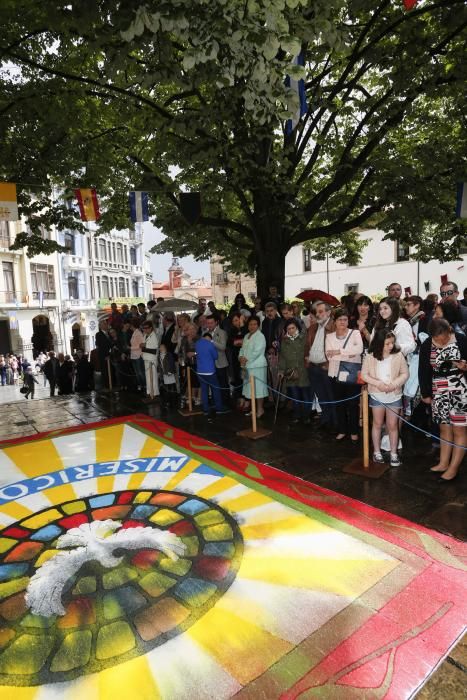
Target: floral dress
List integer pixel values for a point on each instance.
(449, 403)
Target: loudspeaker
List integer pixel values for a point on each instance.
(190, 206)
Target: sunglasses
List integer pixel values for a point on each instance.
(449, 293)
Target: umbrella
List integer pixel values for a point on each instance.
(175, 305)
(318, 295)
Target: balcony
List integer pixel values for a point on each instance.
(46, 295)
(12, 297)
(74, 261)
(79, 304)
(222, 278)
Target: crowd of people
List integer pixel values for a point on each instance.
(411, 352)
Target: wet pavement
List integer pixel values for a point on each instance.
(410, 491)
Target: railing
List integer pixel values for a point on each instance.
(12, 297)
(46, 295)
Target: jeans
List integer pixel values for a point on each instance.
(348, 412)
(210, 381)
(321, 385)
(138, 366)
(3, 375)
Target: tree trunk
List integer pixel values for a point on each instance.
(270, 271)
(270, 244)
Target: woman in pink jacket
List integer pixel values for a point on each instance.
(344, 349)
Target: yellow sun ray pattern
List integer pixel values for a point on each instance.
(295, 573)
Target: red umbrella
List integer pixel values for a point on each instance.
(318, 295)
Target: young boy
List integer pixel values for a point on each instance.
(206, 356)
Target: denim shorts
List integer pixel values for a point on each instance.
(374, 403)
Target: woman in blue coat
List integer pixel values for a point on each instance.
(253, 359)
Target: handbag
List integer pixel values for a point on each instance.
(291, 375)
(24, 390)
(348, 371)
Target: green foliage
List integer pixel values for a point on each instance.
(347, 249)
(189, 95)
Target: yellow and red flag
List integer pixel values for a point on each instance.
(88, 204)
(8, 202)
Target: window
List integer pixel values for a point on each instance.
(98, 287)
(134, 285)
(42, 280)
(89, 250)
(114, 257)
(125, 253)
(102, 250)
(226, 299)
(127, 287)
(73, 292)
(119, 253)
(70, 242)
(121, 287)
(105, 287)
(402, 252)
(306, 260)
(109, 251)
(96, 249)
(8, 281)
(133, 256)
(4, 235)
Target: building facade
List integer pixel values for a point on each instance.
(181, 285)
(382, 262)
(30, 297)
(55, 301)
(226, 285)
(97, 271)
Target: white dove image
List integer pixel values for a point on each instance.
(96, 541)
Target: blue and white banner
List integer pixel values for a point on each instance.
(139, 210)
(298, 86)
(461, 207)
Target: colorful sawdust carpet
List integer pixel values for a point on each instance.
(137, 561)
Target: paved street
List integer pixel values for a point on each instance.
(409, 491)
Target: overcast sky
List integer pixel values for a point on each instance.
(161, 263)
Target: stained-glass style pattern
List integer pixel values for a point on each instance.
(281, 589)
(112, 615)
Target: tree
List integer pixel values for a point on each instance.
(190, 95)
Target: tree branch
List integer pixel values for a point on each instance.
(90, 81)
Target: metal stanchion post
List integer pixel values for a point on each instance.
(190, 411)
(254, 433)
(361, 465)
(109, 372)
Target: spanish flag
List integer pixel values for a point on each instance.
(8, 203)
(410, 4)
(88, 204)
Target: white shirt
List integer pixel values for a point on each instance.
(317, 355)
(383, 373)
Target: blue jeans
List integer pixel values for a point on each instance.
(138, 366)
(210, 381)
(321, 385)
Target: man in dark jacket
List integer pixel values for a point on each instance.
(168, 323)
(50, 371)
(103, 346)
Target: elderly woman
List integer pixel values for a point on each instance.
(292, 369)
(252, 359)
(344, 348)
(442, 374)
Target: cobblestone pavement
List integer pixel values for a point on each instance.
(409, 491)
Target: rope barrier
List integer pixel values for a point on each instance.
(321, 403)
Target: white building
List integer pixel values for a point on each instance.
(53, 301)
(30, 316)
(382, 262)
(97, 271)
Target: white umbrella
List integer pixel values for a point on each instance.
(175, 305)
